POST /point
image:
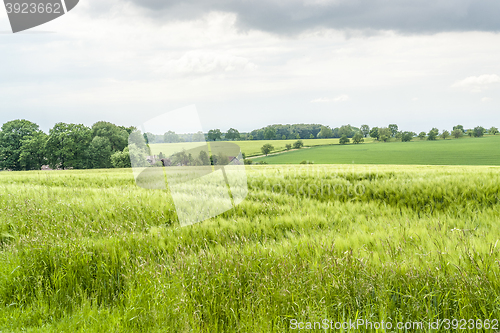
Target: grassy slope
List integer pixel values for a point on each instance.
(88, 251)
(465, 151)
(250, 148)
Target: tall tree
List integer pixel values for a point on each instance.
(384, 134)
(374, 133)
(493, 131)
(32, 155)
(11, 139)
(67, 146)
(214, 134)
(459, 127)
(117, 136)
(394, 130)
(365, 129)
(99, 153)
(232, 134)
(479, 131)
(457, 133)
(267, 148)
(433, 133)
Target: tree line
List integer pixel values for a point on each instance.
(23, 146)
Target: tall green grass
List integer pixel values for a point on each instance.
(89, 251)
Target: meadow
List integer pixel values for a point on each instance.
(89, 251)
(464, 151)
(249, 147)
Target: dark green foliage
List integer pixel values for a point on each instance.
(365, 129)
(394, 129)
(298, 144)
(214, 134)
(457, 133)
(433, 134)
(358, 138)
(121, 159)
(374, 133)
(67, 146)
(479, 131)
(407, 136)
(117, 136)
(33, 152)
(344, 139)
(99, 153)
(267, 148)
(12, 136)
(232, 134)
(422, 135)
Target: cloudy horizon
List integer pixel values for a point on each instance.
(250, 64)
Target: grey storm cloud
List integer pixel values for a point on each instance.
(295, 16)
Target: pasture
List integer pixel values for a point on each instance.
(88, 251)
(464, 151)
(249, 147)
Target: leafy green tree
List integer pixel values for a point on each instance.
(493, 131)
(399, 135)
(250, 137)
(121, 159)
(117, 136)
(384, 134)
(288, 146)
(283, 137)
(358, 138)
(214, 134)
(344, 139)
(365, 129)
(469, 132)
(311, 136)
(297, 136)
(298, 144)
(270, 133)
(457, 133)
(479, 131)
(394, 129)
(422, 135)
(32, 155)
(346, 130)
(433, 134)
(99, 153)
(11, 139)
(445, 134)
(325, 132)
(67, 146)
(459, 127)
(407, 136)
(171, 137)
(374, 133)
(267, 148)
(232, 134)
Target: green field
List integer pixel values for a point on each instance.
(465, 151)
(250, 148)
(88, 251)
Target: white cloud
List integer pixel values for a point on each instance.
(341, 98)
(477, 84)
(204, 62)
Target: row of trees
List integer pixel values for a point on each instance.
(23, 146)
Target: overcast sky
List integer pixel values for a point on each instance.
(247, 64)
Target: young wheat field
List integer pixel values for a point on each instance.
(89, 251)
